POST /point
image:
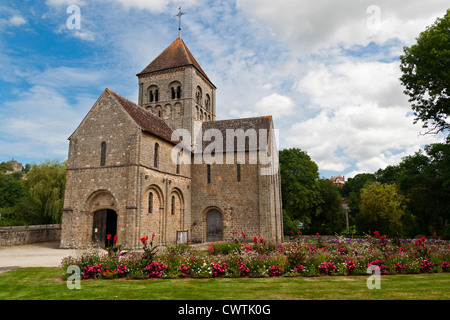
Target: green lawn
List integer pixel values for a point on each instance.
(47, 284)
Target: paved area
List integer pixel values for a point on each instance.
(46, 254)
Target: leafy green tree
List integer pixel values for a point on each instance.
(299, 188)
(426, 75)
(45, 184)
(382, 207)
(425, 179)
(330, 216)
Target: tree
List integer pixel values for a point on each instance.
(426, 75)
(330, 216)
(299, 188)
(382, 207)
(45, 184)
(425, 180)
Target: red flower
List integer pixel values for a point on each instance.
(108, 236)
(370, 232)
(116, 238)
(243, 234)
(299, 233)
(376, 233)
(383, 237)
(292, 232)
(317, 234)
(255, 239)
(143, 239)
(261, 240)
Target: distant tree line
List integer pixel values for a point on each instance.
(405, 200)
(33, 196)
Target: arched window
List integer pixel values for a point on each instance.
(198, 95)
(207, 102)
(208, 173)
(173, 205)
(238, 168)
(155, 163)
(178, 163)
(103, 154)
(178, 92)
(173, 92)
(150, 202)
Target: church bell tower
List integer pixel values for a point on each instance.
(174, 87)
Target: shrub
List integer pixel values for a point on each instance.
(225, 248)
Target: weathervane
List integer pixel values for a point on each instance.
(179, 20)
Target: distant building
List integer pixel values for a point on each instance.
(16, 166)
(338, 180)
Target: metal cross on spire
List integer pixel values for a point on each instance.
(179, 20)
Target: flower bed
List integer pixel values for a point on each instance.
(297, 257)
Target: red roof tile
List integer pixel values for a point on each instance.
(174, 56)
(144, 119)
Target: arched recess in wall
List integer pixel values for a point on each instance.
(175, 90)
(102, 214)
(153, 202)
(153, 94)
(213, 224)
(176, 202)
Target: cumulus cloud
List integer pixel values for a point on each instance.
(276, 105)
(311, 26)
(362, 118)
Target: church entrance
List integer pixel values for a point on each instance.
(214, 226)
(105, 223)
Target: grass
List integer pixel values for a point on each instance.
(48, 284)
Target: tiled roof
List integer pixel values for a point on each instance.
(144, 119)
(174, 56)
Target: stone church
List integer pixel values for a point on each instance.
(132, 174)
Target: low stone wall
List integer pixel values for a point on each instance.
(12, 236)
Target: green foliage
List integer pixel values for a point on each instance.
(299, 186)
(33, 197)
(426, 77)
(382, 207)
(45, 184)
(225, 248)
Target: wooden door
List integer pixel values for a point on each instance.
(99, 228)
(214, 227)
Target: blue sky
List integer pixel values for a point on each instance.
(327, 71)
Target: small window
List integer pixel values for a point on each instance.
(178, 163)
(103, 154)
(238, 172)
(173, 92)
(156, 95)
(173, 205)
(155, 163)
(178, 92)
(208, 172)
(152, 97)
(150, 202)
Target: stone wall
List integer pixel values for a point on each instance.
(13, 236)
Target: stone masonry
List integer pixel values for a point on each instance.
(127, 176)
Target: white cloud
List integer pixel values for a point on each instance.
(275, 105)
(17, 21)
(312, 26)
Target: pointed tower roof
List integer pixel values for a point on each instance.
(174, 56)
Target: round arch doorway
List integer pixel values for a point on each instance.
(214, 225)
(105, 223)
